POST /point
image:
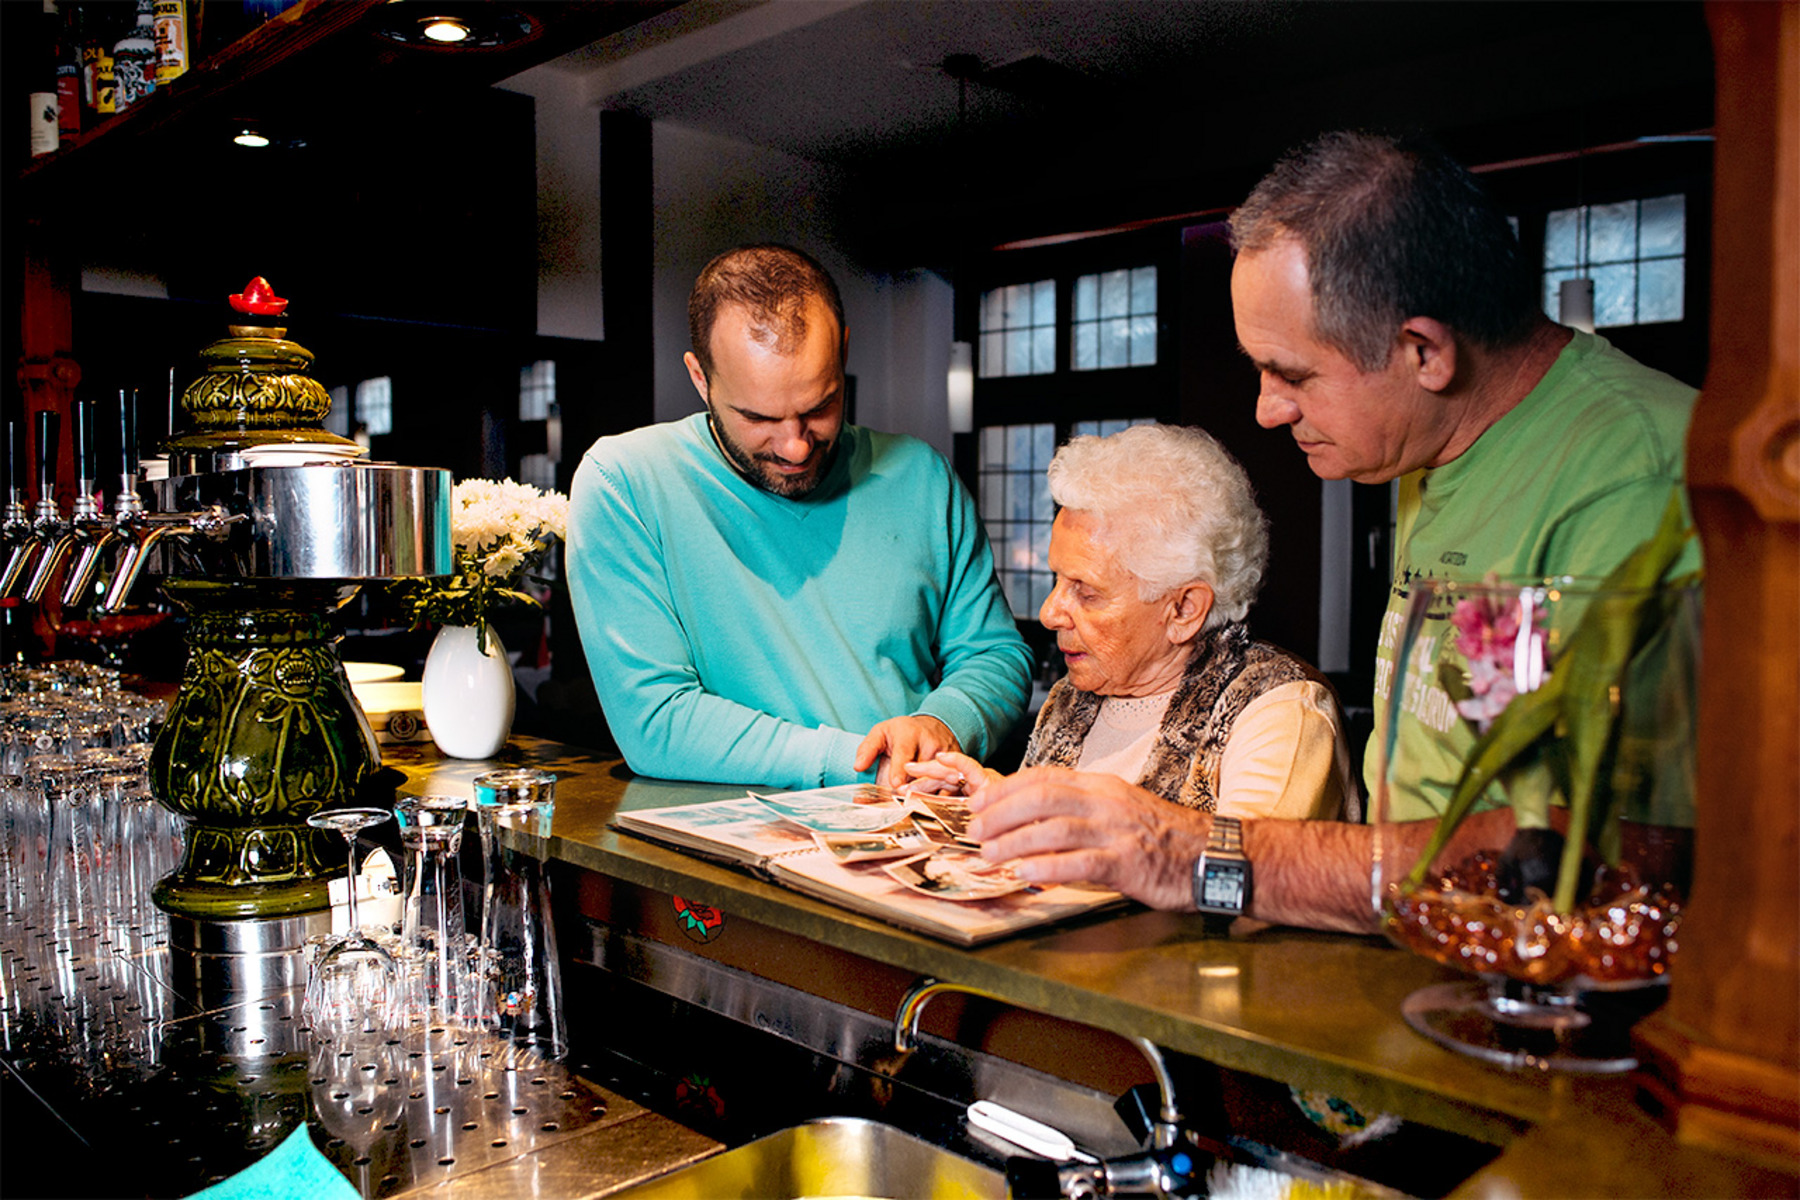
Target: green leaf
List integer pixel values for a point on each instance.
(1513, 733)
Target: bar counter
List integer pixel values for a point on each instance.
(1314, 1010)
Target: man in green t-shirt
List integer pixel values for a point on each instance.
(1381, 295)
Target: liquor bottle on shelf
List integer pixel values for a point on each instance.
(134, 59)
(175, 41)
(45, 135)
(68, 68)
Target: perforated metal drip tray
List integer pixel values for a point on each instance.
(152, 1091)
(429, 1106)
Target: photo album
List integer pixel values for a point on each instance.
(902, 857)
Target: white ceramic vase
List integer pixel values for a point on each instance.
(468, 695)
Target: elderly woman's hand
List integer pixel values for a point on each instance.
(1061, 826)
(950, 774)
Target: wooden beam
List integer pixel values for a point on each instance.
(1722, 1059)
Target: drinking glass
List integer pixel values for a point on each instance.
(518, 942)
(354, 981)
(434, 934)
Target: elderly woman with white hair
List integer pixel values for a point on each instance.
(1158, 550)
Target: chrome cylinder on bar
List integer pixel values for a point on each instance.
(341, 520)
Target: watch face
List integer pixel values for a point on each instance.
(1222, 885)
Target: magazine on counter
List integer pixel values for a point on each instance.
(896, 856)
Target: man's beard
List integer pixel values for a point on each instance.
(758, 469)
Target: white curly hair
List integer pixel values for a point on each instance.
(1175, 505)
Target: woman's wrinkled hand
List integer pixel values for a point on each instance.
(949, 774)
(1061, 826)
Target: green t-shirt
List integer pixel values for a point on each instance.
(1569, 482)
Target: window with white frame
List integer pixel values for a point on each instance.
(1018, 330)
(1108, 428)
(537, 402)
(375, 405)
(1016, 510)
(1114, 321)
(1634, 251)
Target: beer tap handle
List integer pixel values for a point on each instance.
(87, 472)
(128, 432)
(49, 426)
(15, 471)
(128, 502)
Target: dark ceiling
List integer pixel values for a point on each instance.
(1083, 113)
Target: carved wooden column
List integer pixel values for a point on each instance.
(1722, 1059)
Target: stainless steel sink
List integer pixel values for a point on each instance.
(839, 1156)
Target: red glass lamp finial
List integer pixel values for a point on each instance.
(258, 299)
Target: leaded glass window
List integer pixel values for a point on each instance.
(1016, 509)
(1634, 251)
(1114, 320)
(1018, 330)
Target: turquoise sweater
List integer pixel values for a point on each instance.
(738, 636)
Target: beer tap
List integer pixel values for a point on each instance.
(15, 525)
(47, 524)
(95, 530)
(58, 535)
(145, 530)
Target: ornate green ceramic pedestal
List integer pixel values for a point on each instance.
(263, 733)
(264, 524)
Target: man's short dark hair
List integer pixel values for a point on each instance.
(1392, 228)
(772, 283)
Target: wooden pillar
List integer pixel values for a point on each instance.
(47, 370)
(1722, 1059)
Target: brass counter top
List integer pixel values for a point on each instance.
(1320, 1011)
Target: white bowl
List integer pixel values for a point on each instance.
(367, 672)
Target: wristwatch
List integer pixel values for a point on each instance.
(1222, 873)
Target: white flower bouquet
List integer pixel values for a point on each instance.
(501, 530)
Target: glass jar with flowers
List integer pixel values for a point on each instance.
(502, 531)
(1570, 702)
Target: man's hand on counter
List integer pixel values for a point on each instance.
(900, 740)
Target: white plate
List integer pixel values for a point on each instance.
(368, 672)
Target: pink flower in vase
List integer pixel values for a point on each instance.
(1504, 646)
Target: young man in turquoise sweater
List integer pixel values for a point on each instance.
(767, 595)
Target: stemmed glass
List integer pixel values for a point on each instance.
(354, 982)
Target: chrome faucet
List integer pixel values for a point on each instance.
(143, 530)
(87, 523)
(15, 524)
(47, 525)
(94, 531)
(1170, 1165)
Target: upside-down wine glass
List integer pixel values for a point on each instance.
(354, 982)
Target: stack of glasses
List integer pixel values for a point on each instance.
(432, 973)
(81, 843)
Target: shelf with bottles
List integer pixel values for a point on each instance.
(320, 69)
(219, 71)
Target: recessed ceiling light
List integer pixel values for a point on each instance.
(447, 30)
(455, 25)
(250, 138)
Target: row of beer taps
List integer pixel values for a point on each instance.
(39, 542)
